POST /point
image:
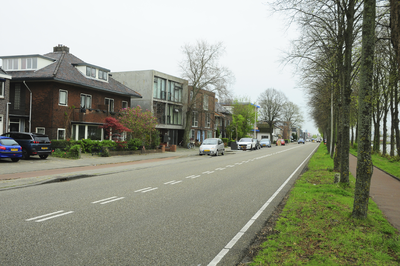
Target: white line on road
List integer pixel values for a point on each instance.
(48, 216)
(208, 172)
(105, 202)
(37, 217)
(220, 169)
(104, 199)
(193, 176)
(173, 182)
(231, 243)
(148, 190)
(140, 190)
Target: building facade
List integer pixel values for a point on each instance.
(162, 94)
(203, 117)
(4, 100)
(60, 95)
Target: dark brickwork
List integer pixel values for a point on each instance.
(47, 113)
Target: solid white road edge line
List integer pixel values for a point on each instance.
(231, 243)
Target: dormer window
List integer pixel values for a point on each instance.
(90, 72)
(103, 75)
(29, 63)
(26, 62)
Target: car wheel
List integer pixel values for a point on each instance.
(43, 156)
(15, 159)
(222, 153)
(216, 153)
(25, 154)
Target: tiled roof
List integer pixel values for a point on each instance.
(62, 70)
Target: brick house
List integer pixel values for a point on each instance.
(203, 115)
(4, 99)
(223, 118)
(60, 95)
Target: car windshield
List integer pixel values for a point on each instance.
(8, 142)
(210, 142)
(245, 140)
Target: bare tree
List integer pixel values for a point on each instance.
(201, 68)
(291, 115)
(395, 28)
(272, 103)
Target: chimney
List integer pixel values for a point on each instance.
(60, 48)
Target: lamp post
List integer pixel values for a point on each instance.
(255, 119)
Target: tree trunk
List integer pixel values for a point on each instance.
(348, 39)
(188, 127)
(384, 132)
(395, 28)
(364, 161)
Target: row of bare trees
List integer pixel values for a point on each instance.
(350, 71)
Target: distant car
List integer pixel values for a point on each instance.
(212, 146)
(281, 142)
(300, 141)
(247, 144)
(32, 143)
(265, 143)
(9, 148)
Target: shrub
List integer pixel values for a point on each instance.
(60, 144)
(134, 144)
(74, 152)
(105, 152)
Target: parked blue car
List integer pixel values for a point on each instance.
(9, 148)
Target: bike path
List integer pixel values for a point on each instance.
(385, 191)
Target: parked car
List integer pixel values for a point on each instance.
(32, 143)
(212, 146)
(247, 144)
(9, 148)
(265, 143)
(301, 140)
(280, 142)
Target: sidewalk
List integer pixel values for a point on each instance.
(384, 191)
(36, 171)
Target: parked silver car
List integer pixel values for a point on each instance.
(247, 144)
(212, 146)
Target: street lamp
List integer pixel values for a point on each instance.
(255, 118)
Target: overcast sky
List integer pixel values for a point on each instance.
(149, 34)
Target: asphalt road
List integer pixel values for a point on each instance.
(197, 210)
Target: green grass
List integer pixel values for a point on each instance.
(389, 164)
(316, 227)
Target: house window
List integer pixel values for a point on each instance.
(2, 88)
(102, 75)
(159, 91)
(17, 97)
(192, 133)
(92, 132)
(208, 120)
(28, 63)
(86, 101)
(194, 120)
(110, 104)
(40, 130)
(60, 133)
(10, 64)
(209, 134)
(90, 72)
(124, 104)
(174, 116)
(205, 102)
(63, 98)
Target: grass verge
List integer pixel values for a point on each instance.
(316, 227)
(389, 165)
